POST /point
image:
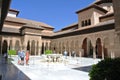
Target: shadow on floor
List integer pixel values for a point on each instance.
(9, 72)
(85, 68)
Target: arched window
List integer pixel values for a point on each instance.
(83, 24)
(89, 22)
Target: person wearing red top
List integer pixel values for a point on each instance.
(27, 57)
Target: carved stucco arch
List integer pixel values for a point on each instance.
(17, 45)
(88, 37)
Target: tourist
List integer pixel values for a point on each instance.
(27, 57)
(65, 54)
(73, 53)
(19, 58)
(6, 56)
(22, 55)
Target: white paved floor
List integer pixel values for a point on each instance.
(38, 70)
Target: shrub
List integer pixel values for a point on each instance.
(108, 69)
(48, 52)
(12, 52)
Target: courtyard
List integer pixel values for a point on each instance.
(72, 68)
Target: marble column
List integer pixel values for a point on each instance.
(13, 44)
(44, 47)
(94, 52)
(8, 41)
(35, 48)
(39, 48)
(112, 54)
(102, 51)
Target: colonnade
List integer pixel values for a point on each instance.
(87, 47)
(33, 46)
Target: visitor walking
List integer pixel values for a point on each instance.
(6, 56)
(27, 57)
(19, 57)
(22, 56)
(65, 54)
(73, 54)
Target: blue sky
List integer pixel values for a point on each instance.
(57, 13)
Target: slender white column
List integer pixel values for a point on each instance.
(112, 54)
(35, 47)
(13, 44)
(8, 41)
(102, 51)
(94, 52)
(44, 48)
(39, 46)
(80, 54)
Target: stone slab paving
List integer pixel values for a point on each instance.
(74, 69)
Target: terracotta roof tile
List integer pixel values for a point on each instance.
(21, 20)
(32, 26)
(82, 28)
(71, 25)
(10, 30)
(93, 6)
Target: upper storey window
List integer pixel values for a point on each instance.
(86, 23)
(89, 22)
(83, 24)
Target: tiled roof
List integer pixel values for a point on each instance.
(93, 6)
(25, 21)
(102, 1)
(10, 30)
(13, 10)
(32, 26)
(108, 14)
(71, 25)
(14, 30)
(67, 27)
(82, 28)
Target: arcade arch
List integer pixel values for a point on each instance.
(87, 48)
(98, 48)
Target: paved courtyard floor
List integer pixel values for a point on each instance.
(70, 69)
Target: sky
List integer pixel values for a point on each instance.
(57, 13)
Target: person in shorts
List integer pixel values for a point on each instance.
(19, 57)
(22, 56)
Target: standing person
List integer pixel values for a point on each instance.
(73, 53)
(6, 56)
(19, 57)
(65, 54)
(22, 57)
(27, 57)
